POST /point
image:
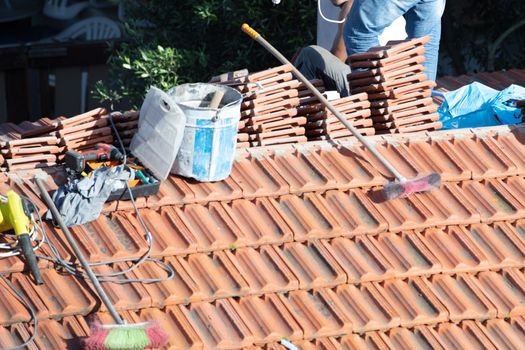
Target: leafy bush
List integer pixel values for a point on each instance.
(172, 42)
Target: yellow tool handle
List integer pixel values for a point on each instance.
(252, 33)
(17, 216)
(21, 225)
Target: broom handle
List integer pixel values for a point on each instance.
(371, 147)
(101, 293)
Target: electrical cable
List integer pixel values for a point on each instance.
(38, 234)
(29, 308)
(72, 268)
(11, 249)
(33, 319)
(320, 10)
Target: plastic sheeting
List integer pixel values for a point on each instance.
(478, 105)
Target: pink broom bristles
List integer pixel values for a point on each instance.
(403, 189)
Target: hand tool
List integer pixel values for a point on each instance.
(216, 99)
(108, 337)
(404, 187)
(76, 161)
(15, 215)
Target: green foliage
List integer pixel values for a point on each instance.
(169, 42)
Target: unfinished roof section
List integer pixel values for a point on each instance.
(295, 245)
(496, 80)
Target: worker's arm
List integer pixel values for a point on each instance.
(338, 2)
(338, 47)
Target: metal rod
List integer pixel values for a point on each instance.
(371, 147)
(56, 215)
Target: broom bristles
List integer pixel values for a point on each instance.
(148, 335)
(427, 183)
(157, 336)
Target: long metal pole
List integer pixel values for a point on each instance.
(56, 215)
(371, 147)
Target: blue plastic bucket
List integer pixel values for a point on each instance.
(210, 135)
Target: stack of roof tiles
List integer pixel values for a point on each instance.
(399, 91)
(324, 125)
(44, 143)
(272, 111)
(295, 245)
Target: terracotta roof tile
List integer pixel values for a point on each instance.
(312, 264)
(462, 296)
(506, 334)
(219, 325)
(355, 212)
(319, 312)
(361, 259)
(413, 301)
(505, 289)
(367, 307)
(409, 254)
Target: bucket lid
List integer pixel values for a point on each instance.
(161, 128)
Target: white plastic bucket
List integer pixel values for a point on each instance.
(210, 135)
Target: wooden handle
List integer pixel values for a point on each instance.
(216, 99)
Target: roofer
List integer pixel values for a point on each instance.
(365, 22)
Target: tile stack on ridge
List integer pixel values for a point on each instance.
(323, 125)
(272, 111)
(30, 153)
(44, 144)
(397, 87)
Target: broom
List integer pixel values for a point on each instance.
(403, 187)
(120, 336)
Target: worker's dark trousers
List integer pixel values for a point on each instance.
(316, 62)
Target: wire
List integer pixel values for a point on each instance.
(38, 233)
(73, 268)
(277, 2)
(11, 248)
(29, 308)
(328, 19)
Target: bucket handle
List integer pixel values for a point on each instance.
(243, 96)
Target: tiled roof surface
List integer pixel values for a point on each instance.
(497, 80)
(295, 244)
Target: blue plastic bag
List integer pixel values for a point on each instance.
(468, 107)
(478, 105)
(504, 105)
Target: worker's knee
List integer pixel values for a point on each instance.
(312, 50)
(312, 55)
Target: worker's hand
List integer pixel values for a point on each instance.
(338, 3)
